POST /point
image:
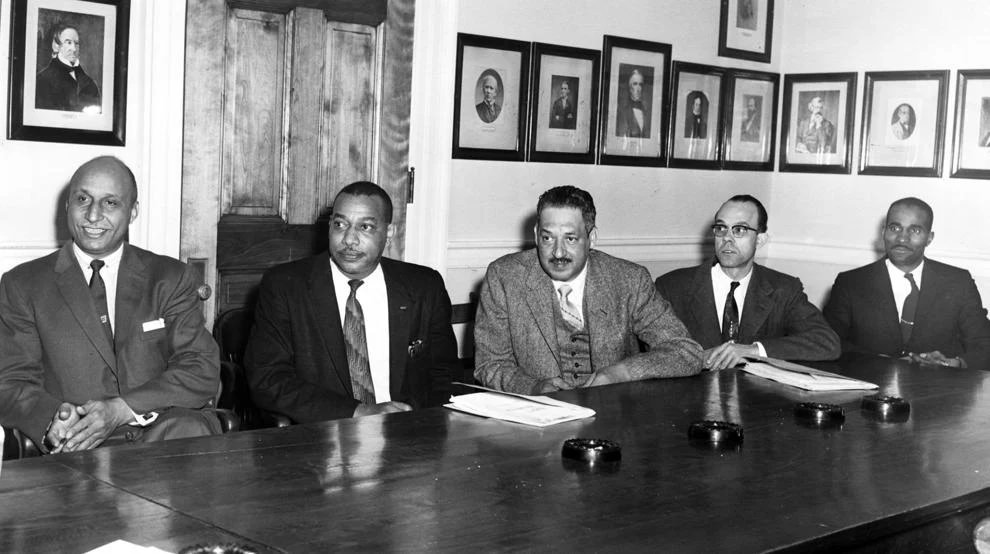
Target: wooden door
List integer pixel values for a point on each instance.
(285, 103)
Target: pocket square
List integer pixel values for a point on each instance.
(153, 325)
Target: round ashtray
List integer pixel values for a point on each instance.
(223, 548)
(591, 451)
(817, 414)
(886, 408)
(716, 433)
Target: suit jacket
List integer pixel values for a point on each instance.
(486, 115)
(56, 89)
(562, 115)
(776, 313)
(53, 348)
(950, 316)
(626, 124)
(516, 338)
(296, 360)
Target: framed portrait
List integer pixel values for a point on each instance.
(490, 93)
(817, 129)
(564, 112)
(635, 103)
(749, 134)
(68, 71)
(903, 123)
(745, 29)
(971, 140)
(696, 122)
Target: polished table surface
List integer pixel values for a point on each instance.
(441, 480)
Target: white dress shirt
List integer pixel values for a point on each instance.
(900, 285)
(109, 272)
(721, 284)
(577, 290)
(374, 304)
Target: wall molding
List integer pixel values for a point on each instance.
(477, 254)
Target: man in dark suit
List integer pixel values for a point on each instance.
(351, 333)
(488, 109)
(125, 358)
(633, 115)
(908, 305)
(696, 122)
(63, 84)
(735, 307)
(562, 114)
(564, 316)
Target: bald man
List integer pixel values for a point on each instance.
(102, 342)
(488, 108)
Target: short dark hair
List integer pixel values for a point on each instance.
(761, 212)
(914, 203)
(569, 197)
(367, 188)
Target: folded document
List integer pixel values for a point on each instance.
(539, 411)
(801, 376)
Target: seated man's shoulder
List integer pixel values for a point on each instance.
(778, 278)
(515, 262)
(159, 265)
(412, 274)
(618, 267)
(677, 278)
(950, 271)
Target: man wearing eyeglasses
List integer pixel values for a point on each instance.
(735, 307)
(907, 305)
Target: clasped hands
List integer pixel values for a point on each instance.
(934, 358)
(75, 428)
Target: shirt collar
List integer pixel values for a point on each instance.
(720, 276)
(897, 275)
(111, 261)
(577, 283)
(376, 277)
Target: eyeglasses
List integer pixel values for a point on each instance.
(738, 231)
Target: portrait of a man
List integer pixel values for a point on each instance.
(490, 90)
(635, 86)
(750, 129)
(746, 14)
(63, 84)
(902, 121)
(563, 113)
(815, 132)
(696, 118)
(985, 122)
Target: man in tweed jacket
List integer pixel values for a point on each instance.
(563, 315)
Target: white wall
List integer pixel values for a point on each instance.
(822, 224)
(33, 174)
(655, 216)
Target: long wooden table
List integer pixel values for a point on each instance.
(441, 480)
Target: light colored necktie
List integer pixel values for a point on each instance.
(570, 312)
(357, 347)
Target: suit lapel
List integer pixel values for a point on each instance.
(930, 285)
(323, 296)
(132, 284)
(756, 307)
(71, 283)
(597, 305)
(704, 313)
(400, 303)
(890, 320)
(539, 294)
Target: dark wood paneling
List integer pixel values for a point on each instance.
(394, 130)
(305, 109)
(253, 113)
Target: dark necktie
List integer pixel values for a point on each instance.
(357, 348)
(730, 315)
(909, 309)
(99, 291)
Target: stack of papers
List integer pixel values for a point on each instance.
(801, 376)
(538, 411)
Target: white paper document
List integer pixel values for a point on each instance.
(538, 411)
(801, 376)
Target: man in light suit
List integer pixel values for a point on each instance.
(563, 315)
(123, 359)
(735, 307)
(938, 319)
(351, 333)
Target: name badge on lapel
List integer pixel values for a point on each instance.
(153, 325)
